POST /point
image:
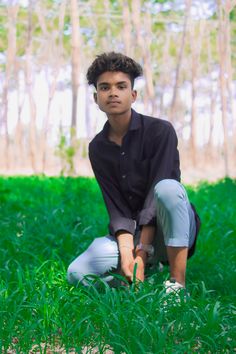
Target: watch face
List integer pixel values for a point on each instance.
(149, 249)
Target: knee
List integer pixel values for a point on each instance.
(74, 274)
(93, 260)
(79, 268)
(103, 247)
(169, 192)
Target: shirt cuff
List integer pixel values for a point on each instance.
(147, 217)
(122, 223)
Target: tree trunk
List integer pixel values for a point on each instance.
(19, 133)
(53, 83)
(224, 44)
(88, 123)
(29, 89)
(213, 96)
(196, 45)
(188, 4)
(164, 74)
(12, 11)
(75, 60)
(109, 44)
(127, 29)
(145, 53)
(232, 103)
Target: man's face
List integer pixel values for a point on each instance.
(114, 93)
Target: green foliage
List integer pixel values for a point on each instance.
(232, 15)
(3, 31)
(46, 222)
(66, 150)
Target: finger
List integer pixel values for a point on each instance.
(139, 272)
(140, 276)
(129, 277)
(125, 272)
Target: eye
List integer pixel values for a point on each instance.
(122, 87)
(103, 88)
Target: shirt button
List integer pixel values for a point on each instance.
(123, 153)
(130, 197)
(123, 176)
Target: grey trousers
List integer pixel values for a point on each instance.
(176, 227)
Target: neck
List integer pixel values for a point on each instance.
(119, 123)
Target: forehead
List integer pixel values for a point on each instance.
(112, 77)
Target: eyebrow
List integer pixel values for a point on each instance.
(117, 83)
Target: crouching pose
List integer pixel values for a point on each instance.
(136, 163)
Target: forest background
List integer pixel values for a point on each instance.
(186, 47)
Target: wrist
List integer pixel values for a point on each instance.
(126, 252)
(147, 234)
(126, 249)
(147, 249)
(141, 255)
(125, 241)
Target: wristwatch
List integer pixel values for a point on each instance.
(149, 249)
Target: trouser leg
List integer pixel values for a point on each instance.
(177, 223)
(101, 257)
(175, 216)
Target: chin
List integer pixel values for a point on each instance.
(114, 111)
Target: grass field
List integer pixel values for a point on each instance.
(46, 222)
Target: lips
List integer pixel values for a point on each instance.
(113, 102)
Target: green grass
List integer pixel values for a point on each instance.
(47, 222)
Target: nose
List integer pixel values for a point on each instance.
(113, 91)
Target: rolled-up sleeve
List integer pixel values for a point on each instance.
(164, 164)
(120, 216)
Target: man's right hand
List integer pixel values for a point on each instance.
(126, 248)
(127, 264)
(129, 258)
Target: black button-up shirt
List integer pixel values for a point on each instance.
(128, 173)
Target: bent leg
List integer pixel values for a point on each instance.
(177, 257)
(176, 218)
(101, 257)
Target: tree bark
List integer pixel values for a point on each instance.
(12, 11)
(213, 97)
(53, 83)
(188, 4)
(19, 152)
(224, 45)
(127, 29)
(232, 103)
(29, 89)
(145, 53)
(109, 44)
(75, 59)
(196, 45)
(164, 79)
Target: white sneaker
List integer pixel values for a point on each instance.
(172, 286)
(175, 292)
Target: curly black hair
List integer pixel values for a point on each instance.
(113, 62)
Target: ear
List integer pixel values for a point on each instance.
(134, 95)
(95, 97)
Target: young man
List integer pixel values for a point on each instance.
(136, 163)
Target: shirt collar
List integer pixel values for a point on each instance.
(135, 124)
(135, 120)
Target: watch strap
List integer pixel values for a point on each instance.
(149, 249)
